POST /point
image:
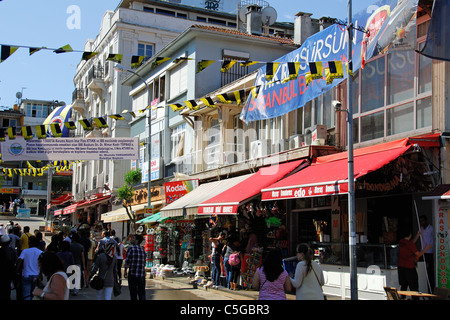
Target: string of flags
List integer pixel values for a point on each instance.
(317, 71)
(59, 166)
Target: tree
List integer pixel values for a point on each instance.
(126, 193)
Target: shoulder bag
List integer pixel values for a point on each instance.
(324, 296)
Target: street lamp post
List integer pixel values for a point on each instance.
(351, 180)
(149, 123)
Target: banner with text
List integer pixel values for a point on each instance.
(71, 149)
(389, 25)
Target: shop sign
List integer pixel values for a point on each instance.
(176, 189)
(442, 249)
(10, 190)
(307, 191)
(212, 210)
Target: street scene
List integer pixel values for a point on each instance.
(224, 152)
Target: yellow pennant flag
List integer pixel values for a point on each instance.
(136, 61)
(240, 96)
(202, 65)
(191, 105)
(88, 55)
(12, 133)
(41, 131)
(255, 91)
(66, 48)
(224, 98)
(55, 128)
(208, 102)
(86, 124)
(271, 68)
(176, 107)
(27, 133)
(227, 64)
(115, 57)
(158, 61)
(70, 125)
(6, 52)
(248, 63)
(101, 123)
(316, 70)
(117, 117)
(293, 68)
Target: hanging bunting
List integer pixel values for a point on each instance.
(101, 123)
(27, 133)
(176, 107)
(227, 64)
(66, 48)
(240, 96)
(293, 68)
(203, 64)
(12, 133)
(136, 61)
(6, 52)
(255, 91)
(70, 125)
(55, 129)
(191, 105)
(248, 63)
(181, 59)
(224, 98)
(34, 50)
(271, 68)
(208, 102)
(130, 112)
(158, 61)
(86, 124)
(88, 55)
(117, 117)
(2, 134)
(41, 131)
(334, 71)
(115, 57)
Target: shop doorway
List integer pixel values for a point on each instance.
(305, 230)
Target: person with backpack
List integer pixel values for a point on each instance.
(232, 261)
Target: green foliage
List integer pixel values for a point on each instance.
(133, 177)
(125, 193)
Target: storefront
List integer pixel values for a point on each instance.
(389, 181)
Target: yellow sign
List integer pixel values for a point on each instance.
(148, 210)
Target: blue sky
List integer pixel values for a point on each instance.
(49, 76)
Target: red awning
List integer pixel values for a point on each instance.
(94, 201)
(60, 200)
(328, 175)
(228, 201)
(57, 212)
(71, 209)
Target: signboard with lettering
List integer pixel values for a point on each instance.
(176, 189)
(218, 209)
(442, 248)
(71, 149)
(306, 191)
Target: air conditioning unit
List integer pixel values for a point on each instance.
(280, 146)
(319, 135)
(259, 148)
(295, 141)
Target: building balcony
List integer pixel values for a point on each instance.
(96, 81)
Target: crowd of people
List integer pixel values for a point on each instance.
(55, 271)
(270, 279)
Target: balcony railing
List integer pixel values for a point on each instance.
(96, 72)
(77, 94)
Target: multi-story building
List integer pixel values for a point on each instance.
(134, 28)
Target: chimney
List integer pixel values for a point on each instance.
(302, 27)
(254, 19)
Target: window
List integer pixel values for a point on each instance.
(400, 76)
(178, 80)
(372, 85)
(235, 72)
(178, 141)
(145, 50)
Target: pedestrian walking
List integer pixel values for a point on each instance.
(105, 263)
(308, 279)
(77, 250)
(27, 264)
(24, 238)
(271, 280)
(135, 263)
(216, 253)
(53, 268)
(119, 257)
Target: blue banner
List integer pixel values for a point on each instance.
(389, 24)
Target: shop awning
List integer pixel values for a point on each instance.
(57, 212)
(94, 201)
(328, 175)
(62, 199)
(152, 219)
(229, 201)
(189, 203)
(120, 214)
(71, 209)
(441, 192)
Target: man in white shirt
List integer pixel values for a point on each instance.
(426, 233)
(28, 264)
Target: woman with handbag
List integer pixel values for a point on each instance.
(308, 279)
(105, 264)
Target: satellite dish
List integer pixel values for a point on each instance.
(242, 14)
(19, 95)
(269, 16)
